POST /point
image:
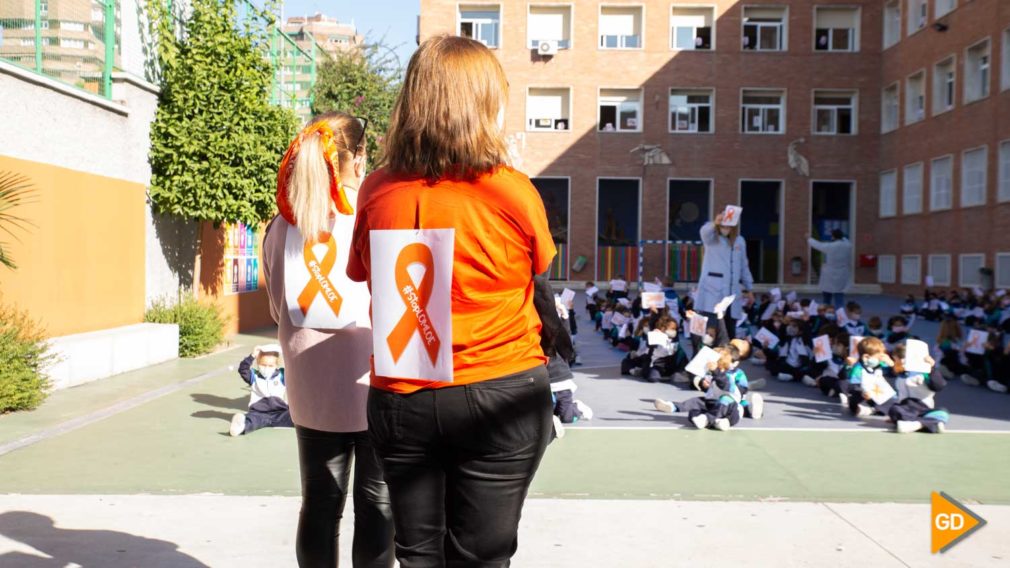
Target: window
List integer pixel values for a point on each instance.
(940, 183)
(944, 7)
(691, 28)
(1005, 61)
(968, 269)
(973, 177)
(691, 110)
(27, 42)
(834, 112)
(892, 23)
(1002, 270)
(911, 269)
(836, 29)
(620, 110)
(938, 266)
(764, 29)
(915, 98)
(886, 270)
(944, 85)
(549, 23)
(548, 109)
(918, 15)
(911, 189)
(889, 112)
(621, 28)
(480, 22)
(44, 8)
(72, 43)
(977, 72)
(763, 112)
(71, 26)
(1003, 193)
(889, 194)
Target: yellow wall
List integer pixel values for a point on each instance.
(81, 266)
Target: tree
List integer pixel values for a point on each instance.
(15, 191)
(216, 140)
(363, 83)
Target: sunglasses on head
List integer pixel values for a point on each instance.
(364, 127)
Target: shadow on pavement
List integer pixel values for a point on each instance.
(240, 403)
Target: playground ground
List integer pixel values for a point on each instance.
(138, 470)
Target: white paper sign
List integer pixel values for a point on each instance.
(411, 303)
(854, 346)
(796, 315)
(651, 287)
(791, 297)
(731, 216)
(812, 310)
(619, 319)
(657, 337)
(822, 348)
(841, 316)
(567, 298)
(624, 302)
(698, 324)
(767, 338)
(699, 364)
(915, 357)
(653, 300)
(318, 293)
(591, 291)
(929, 281)
(1000, 293)
(769, 311)
(776, 294)
(877, 387)
(724, 304)
(975, 344)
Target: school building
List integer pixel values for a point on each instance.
(639, 120)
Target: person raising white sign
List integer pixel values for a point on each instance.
(724, 273)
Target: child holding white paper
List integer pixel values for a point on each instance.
(718, 408)
(898, 331)
(832, 380)
(853, 315)
(794, 356)
(915, 407)
(592, 301)
(872, 360)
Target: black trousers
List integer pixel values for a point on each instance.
(459, 461)
(326, 459)
(254, 420)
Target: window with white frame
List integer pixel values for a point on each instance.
(941, 183)
(621, 27)
(836, 29)
(481, 22)
(911, 189)
(892, 23)
(1003, 192)
(72, 43)
(938, 266)
(27, 42)
(889, 109)
(835, 112)
(977, 72)
(974, 164)
(620, 110)
(944, 85)
(548, 108)
(911, 269)
(918, 15)
(968, 267)
(1005, 61)
(764, 28)
(1002, 271)
(72, 26)
(691, 110)
(692, 28)
(886, 269)
(915, 98)
(889, 193)
(763, 112)
(550, 23)
(944, 7)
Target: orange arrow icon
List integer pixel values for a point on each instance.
(952, 522)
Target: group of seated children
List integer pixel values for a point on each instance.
(990, 307)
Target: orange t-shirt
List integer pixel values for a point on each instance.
(501, 241)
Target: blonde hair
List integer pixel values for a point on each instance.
(311, 170)
(445, 121)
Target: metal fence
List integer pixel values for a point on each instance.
(73, 41)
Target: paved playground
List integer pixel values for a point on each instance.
(138, 470)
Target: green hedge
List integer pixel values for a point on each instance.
(201, 326)
(24, 358)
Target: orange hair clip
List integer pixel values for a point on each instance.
(332, 155)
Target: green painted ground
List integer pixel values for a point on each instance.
(177, 445)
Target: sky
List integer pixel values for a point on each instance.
(396, 19)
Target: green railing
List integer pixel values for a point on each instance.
(295, 68)
(73, 41)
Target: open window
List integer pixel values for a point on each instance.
(834, 112)
(691, 110)
(764, 28)
(548, 109)
(481, 22)
(620, 110)
(977, 72)
(763, 111)
(621, 27)
(836, 29)
(549, 23)
(692, 28)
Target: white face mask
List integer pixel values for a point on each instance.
(671, 333)
(708, 339)
(267, 372)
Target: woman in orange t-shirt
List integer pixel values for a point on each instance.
(449, 239)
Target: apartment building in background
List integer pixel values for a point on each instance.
(640, 120)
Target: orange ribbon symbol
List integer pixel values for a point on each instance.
(319, 282)
(415, 319)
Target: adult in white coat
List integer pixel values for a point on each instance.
(836, 270)
(724, 272)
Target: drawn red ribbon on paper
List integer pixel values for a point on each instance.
(415, 319)
(319, 281)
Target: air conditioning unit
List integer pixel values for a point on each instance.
(547, 47)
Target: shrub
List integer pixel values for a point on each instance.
(201, 326)
(24, 359)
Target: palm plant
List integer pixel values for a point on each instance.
(15, 190)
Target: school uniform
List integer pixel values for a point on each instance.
(718, 402)
(856, 328)
(834, 371)
(857, 375)
(915, 402)
(793, 358)
(268, 398)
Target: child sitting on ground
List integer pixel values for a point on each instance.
(875, 328)
(268, 399)
(872, 360)
(835, 368)
(854, 312)
(794, 360)
(914, 409)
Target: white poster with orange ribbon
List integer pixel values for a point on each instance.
(319, 294)
(411, 273)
